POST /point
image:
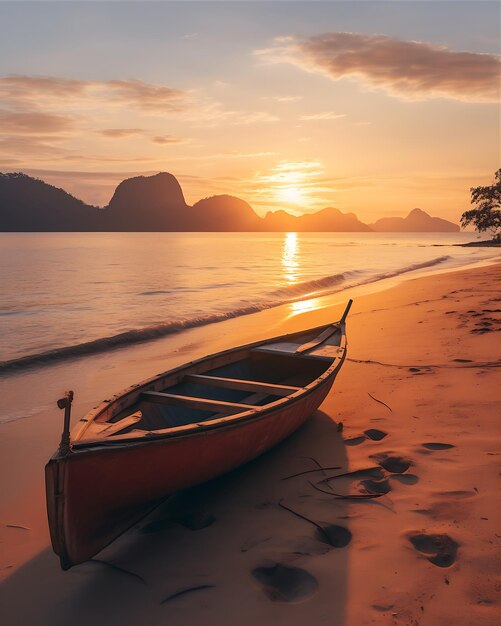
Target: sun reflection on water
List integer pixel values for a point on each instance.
(290, 260)
(302, 306)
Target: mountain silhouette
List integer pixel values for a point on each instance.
(330, 220)
(156, 203)
(224, 213)
(417, 221)
(145, 203)
(29, 204)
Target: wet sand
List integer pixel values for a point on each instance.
(415, 408)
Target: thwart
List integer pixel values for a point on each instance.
(181, 428)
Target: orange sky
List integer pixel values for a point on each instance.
(334, 104)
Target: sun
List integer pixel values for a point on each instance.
(291, 194)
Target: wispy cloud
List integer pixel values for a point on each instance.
(283, 98)
(18, 89)
(21, 91)
(148, 101)
(118, 133)
(215, 114)
(412, 70)
(146, 96)
(167, 139)
(30, 147)
(35, 123)
(327, 115)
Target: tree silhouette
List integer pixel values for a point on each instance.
(487, 212)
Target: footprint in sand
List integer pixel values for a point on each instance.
(393, 464)
(405, 479)
(437, 446)
(334, 535)
(376, 486)
(440, 550)
(282, 583)
(354, 441)
(375, 434)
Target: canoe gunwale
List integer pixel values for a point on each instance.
(80, 444)
(93, 415)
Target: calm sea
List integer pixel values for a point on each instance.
(59, 291)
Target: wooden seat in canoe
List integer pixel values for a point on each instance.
(203, 404)
(324, 351)
(242, 385)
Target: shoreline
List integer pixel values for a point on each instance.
(132, 337)
(439, 390)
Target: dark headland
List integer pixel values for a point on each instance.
(156, 203)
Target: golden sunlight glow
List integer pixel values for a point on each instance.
(302, 306)
(290, 261)
(297, 183)
(293, 195)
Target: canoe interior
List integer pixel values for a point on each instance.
(265, 368)
(216, 387)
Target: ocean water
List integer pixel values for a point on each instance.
(75, 293)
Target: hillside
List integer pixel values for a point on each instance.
(29, 204)
(417, 221)
(156, 203)
(148, 203)
(225, 213)
(329, 220)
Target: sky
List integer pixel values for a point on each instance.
(372, 107)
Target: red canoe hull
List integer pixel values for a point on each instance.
(103, 491)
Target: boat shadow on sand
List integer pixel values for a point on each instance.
(249, 544)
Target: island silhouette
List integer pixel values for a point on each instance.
(157, 203)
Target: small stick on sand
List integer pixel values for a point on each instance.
(353, 496)
(185, 591)
(383, 403)
(319, 465)
(352, 473)
(17, 526)
(307, 519)
(320, 469)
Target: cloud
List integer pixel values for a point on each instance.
(118, 133)
(146, 96)
(39, 91)
(166, 139)
(34, 123)
(29, 147)
(51, 94)
(212, 114)
(328, 115)
(283, 98)
(243, 118)
(20, 89)
(411, 70)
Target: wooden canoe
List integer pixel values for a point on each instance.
(181, 428)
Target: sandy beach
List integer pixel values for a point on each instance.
(414, 415)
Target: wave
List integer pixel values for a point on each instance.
(286, 295)
(309, 287)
